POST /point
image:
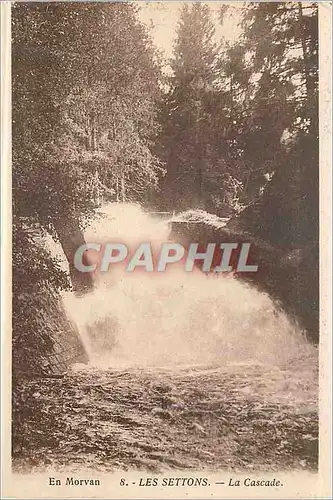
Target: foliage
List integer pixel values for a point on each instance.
(236, 126)
(85, 87)
(274, 69)
(237, 113)
(192, 143)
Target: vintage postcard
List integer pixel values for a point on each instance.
(166, 267)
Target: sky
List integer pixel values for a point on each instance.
(165, 15)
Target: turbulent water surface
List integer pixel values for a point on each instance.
(186, 371)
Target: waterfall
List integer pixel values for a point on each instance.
(177, 317)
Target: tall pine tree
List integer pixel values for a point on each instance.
(196, 173)
(275, 72)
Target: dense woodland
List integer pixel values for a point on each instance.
(230, 128)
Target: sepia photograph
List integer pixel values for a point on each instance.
(165, 186)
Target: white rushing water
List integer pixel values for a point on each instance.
(177, 318)
(186, 371)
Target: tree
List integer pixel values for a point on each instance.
(190, 144)
(85, 84)
(85, 87)
(277, 80)
(275, 70)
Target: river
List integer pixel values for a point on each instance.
(186, 371)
